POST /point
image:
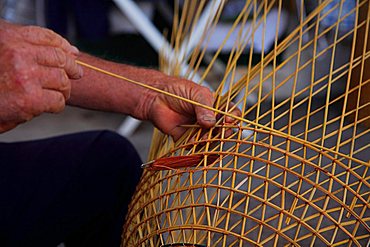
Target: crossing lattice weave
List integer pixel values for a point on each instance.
(295, 170)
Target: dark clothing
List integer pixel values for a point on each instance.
(73, 189)
(90, 17)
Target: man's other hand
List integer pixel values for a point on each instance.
(36, 66)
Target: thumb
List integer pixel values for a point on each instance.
(206, 118)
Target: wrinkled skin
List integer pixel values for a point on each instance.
(168, 113)
(36, 66)
(39, 73)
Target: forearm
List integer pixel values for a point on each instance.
(96, 90)
(99, 91)
(39, 73)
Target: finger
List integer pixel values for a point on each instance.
(177, 131)
(235, 111)
(53, 101)
(55, 79)
(56, 57)
(46, 37)
(205, 117)
(228, 132)
(73, 70)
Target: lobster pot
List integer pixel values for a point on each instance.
(255, 194)
(291, 167)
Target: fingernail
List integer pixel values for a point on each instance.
(209, 118)
(75, 50)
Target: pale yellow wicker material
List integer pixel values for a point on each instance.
(295, 170)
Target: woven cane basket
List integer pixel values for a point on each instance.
(293, 168)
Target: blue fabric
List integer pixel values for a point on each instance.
(336, 10)
(74, 189)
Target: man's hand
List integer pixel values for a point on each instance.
(36, 66)
(168, 113)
